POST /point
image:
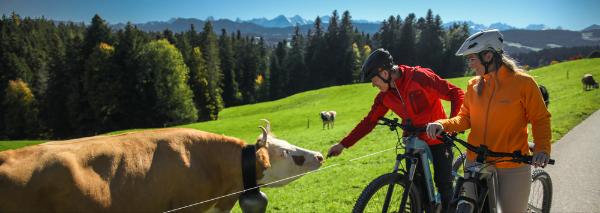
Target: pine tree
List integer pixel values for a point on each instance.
(429, 46)
(264, 73)
(348, 62)
(249, 66)
(52, 109)
(97, 32)
(215, 76)
(81, 116)
(198, 82)
(315, 55)
(130, 42)
(278, 73)
(455, 64)
(294, 62)
(407, 42)
(332, 51)
(231, 93)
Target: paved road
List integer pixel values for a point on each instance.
(576, 175)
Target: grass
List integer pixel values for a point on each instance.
(335, 188)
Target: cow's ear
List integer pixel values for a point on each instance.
(263, 140)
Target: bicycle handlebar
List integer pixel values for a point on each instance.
(393, 124)
(482, 151)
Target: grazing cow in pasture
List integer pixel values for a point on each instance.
(589, 82)
(545, 95)
(146, 171)
(328, 118)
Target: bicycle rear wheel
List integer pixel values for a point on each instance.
(540, 196)
(373, 196)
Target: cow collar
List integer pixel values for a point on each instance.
(252, 200)
(249, 167)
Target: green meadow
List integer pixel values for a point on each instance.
(336, 187)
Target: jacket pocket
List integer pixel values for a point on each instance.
(418, 101)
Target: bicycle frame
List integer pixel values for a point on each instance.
(480, 182)
(482, 174)
(416, 152)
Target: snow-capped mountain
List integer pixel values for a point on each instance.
(282, 21)
(501, 26)
(537, 27)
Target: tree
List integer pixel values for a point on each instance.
(429, 46)
(167, 99)
(348, 61)
(316, 52)
(213, 65)
(407, 42)
(231, 93)
(97, 32)
(332, 52)
(20, 111)
(198, 82)
(455, 65)
(279, 75)
(130, 42)
(294, 62)
(249, 64)
(101, 88)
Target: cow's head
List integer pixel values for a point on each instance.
(285, 159)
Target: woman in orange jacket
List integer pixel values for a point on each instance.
(499, 103)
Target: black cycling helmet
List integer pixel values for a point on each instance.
(379, 58)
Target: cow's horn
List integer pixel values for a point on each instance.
(264, 137)
(268, 125)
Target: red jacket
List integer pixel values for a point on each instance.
(420, 93)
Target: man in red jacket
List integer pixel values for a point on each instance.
(414, 94)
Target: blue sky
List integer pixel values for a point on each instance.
(569, 14)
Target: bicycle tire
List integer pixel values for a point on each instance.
(370, 195)
(540, 180)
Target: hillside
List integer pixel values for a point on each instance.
(320, 192)
(335, 188)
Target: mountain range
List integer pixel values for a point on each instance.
(534, 37)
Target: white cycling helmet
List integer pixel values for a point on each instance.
(483, 40)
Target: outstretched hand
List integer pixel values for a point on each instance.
(335, 150)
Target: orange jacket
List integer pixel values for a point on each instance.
(499, 117)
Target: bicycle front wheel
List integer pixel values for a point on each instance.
(540, 196)
(373, 196)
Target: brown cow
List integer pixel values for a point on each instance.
(147, 171)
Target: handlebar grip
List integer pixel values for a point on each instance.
(551, 161)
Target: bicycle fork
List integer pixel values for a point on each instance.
(411, 174)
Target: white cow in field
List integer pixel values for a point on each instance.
(328, 118)
(146, 171)
(588, 82)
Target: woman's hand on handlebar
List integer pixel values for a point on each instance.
(540, 159)
(434, 129)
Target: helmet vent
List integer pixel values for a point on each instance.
(472, 45)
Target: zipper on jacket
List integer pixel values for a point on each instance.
(487, 113)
